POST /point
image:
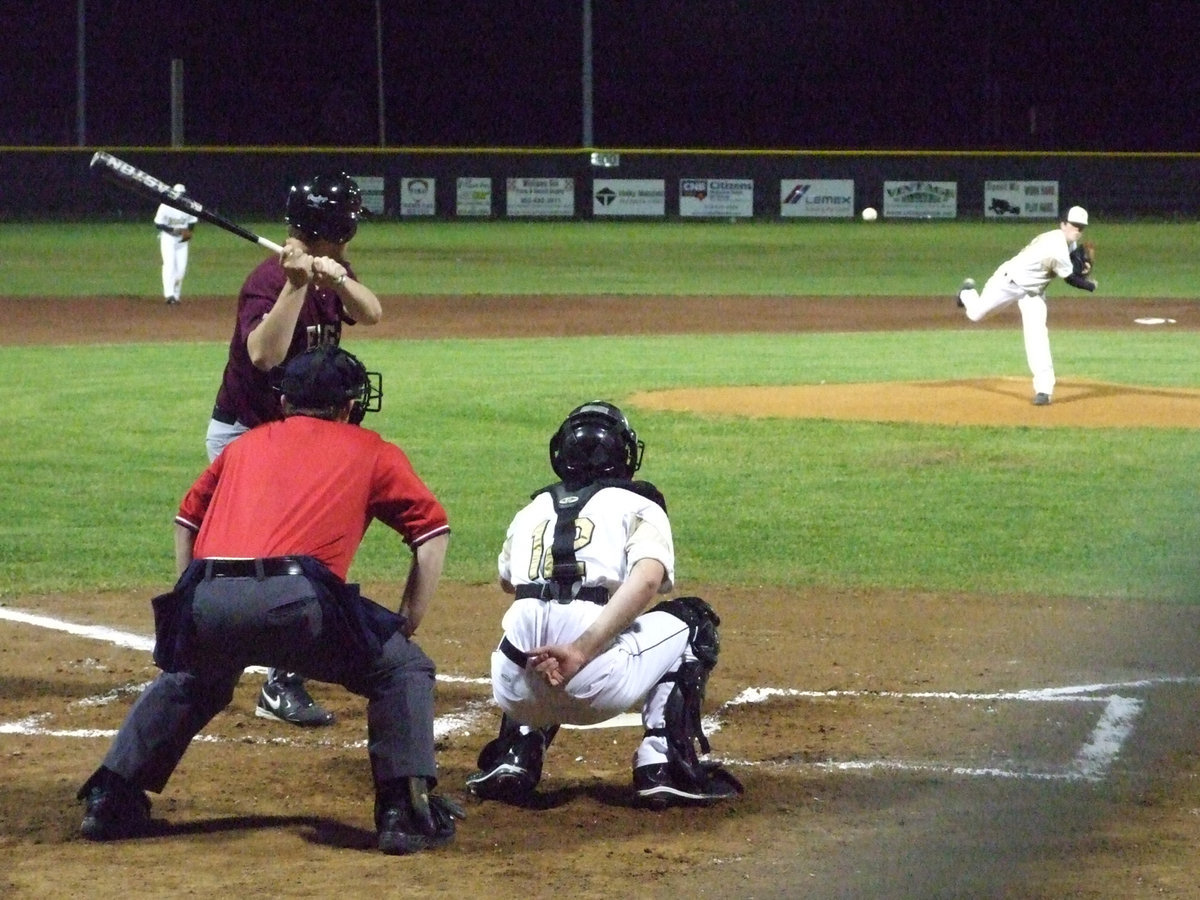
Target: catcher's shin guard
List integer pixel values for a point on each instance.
(684, 777)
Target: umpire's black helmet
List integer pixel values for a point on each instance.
(325, 207)
(324, 378)
(595, 441)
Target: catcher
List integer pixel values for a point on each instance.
(583, 640)
(1023, 280)
(174, 231)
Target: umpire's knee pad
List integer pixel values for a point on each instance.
(702, 621)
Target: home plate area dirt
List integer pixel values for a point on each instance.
(892, 743)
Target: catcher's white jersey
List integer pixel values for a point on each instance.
(610, 538)
(614, 529)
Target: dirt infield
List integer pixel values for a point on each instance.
(892, 744)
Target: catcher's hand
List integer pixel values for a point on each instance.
(1083, 257)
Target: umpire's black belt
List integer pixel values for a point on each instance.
(267, 567)
(546, 591)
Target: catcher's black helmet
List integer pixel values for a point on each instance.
(325, 207)
(324, 378)
(595, 441)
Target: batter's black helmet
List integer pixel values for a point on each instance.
(595, 441)
(324, 378)
(325, 207)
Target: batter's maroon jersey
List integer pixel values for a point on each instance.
(245, 390)
(307, 487)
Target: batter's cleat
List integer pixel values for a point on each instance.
(1041, 399)
(409, 819)
(514, 774)
(657, 787)
(289, 701)
(115, 809)
(967, 285)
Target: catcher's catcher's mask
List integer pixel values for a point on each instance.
(595, 441)
(325, 378)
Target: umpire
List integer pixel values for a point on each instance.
(264, 540)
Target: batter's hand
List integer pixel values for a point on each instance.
(296, 261)
(327, 272)
(557, 663)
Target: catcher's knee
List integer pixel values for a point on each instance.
(702, 621)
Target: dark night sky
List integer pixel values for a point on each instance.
(804, 74)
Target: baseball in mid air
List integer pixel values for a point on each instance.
(869, 214)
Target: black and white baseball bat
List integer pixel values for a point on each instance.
(134, 179)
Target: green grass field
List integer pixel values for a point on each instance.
(100, 442)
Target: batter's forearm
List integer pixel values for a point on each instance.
(360, 302)
(268, 343)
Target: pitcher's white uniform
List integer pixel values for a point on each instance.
(615, 529)
(1023, 280)
(171, 224)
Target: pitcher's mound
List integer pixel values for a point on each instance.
(976, 401)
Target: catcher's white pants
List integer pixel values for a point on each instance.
(999, 292)
(625, 674)
(174, 263)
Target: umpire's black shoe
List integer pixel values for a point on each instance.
(514, 774)
(657, 787)
(409, 819)
(115, 808)
(287, 700)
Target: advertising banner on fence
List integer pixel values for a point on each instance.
(371, 188)
(819, 198)
(716, 197)
(417, 197)
(629, 197)
(473, 197)
(1020, 199)
(540, 196)
(920, 199)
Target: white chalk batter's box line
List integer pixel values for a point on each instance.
(1092, 761)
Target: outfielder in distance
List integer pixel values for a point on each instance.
(585, 559)
(174, 233)
(1023, 280)
(291, 303)
(264, 539)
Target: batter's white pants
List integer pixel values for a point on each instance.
(626, 674)
(1000, 292)
(174, 263)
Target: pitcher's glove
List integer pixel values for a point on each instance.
(1083, 257)
(185, 234)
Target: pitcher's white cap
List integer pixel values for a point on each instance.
(182, 190)
(1077, 215)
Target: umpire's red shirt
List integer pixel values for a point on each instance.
(305, 486)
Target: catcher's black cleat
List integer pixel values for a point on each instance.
(514, 774)
(408, 819)
(657, 787)
(115, 808)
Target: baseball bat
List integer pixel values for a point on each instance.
(134, 179)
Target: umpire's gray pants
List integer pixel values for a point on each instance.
(278, 622)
